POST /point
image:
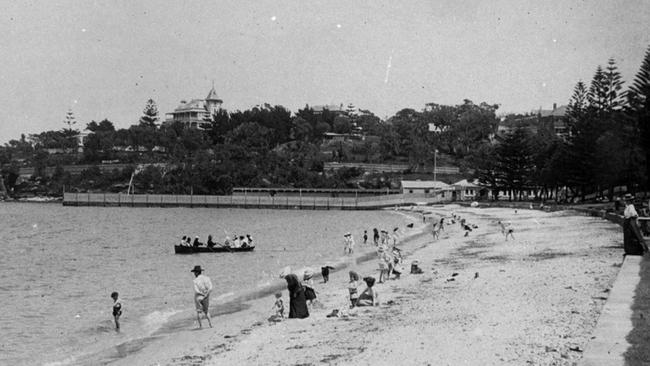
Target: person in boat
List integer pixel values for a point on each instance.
(210, 242)
(188, 241)
(196, 243)
(236, 243)
(243, 241)
(250, 240)
(228, 242)
(183, 241)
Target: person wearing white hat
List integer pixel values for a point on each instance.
(633, 241)
(202, 290)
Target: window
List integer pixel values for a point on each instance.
(426, 191)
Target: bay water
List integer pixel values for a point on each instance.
(60, 264)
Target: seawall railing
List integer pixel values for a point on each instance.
(275, 202)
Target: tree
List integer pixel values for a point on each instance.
(150, 115)
(70, 121)
(515, 161)
(638, 98)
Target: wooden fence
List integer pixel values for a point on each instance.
(277, 202)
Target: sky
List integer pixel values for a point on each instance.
(105, 59)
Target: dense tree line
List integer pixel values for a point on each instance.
(607, 145)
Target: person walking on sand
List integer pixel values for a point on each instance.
(117, 310)
(202, 290)
(365, 237)
(375, 236)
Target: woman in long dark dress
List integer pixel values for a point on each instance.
(297, 300)
(633, 241)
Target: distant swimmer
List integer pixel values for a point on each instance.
(117, 310)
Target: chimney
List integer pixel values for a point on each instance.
(554, 106)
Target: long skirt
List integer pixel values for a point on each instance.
(632, 237)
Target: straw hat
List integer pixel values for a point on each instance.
(197, 269)
(308, 274)
(628, 197)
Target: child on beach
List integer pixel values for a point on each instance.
(352, 288)
(325, 272)
(369, 296)
(507, 230)
(365, 237)
(384, 261)
(117, 310)
(278, 307)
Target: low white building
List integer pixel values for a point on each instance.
(438, 190)
(465, 190)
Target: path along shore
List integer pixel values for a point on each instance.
(480, 301)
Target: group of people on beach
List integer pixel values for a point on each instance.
(240, 241)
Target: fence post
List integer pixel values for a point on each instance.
(104, 199)
(146, 200)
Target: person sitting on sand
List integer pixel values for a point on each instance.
(117, 310)
(369, 296)
(352, 288)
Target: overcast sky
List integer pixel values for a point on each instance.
(104, 59)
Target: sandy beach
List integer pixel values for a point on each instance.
(480, 301)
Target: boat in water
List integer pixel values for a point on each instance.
(181, 249)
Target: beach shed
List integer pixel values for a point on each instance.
(438, 190)
(465, 190)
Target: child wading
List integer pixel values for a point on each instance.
(117, 310)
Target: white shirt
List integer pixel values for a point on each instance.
(202, 285)
(630, 211)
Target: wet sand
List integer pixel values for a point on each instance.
(480, 301)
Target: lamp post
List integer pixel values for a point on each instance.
(435, 158)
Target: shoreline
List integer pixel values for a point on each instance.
(481, 313)
(230, 312)
(532, 300)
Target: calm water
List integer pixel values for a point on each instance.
(60, 264)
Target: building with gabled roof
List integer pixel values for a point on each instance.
(196, 113)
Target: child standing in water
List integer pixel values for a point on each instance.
(117, 310)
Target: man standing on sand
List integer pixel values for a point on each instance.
(202, 289)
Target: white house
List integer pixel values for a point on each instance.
(465, 190)
(441, 191)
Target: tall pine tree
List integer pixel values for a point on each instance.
(150, 115)
(638, 98)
